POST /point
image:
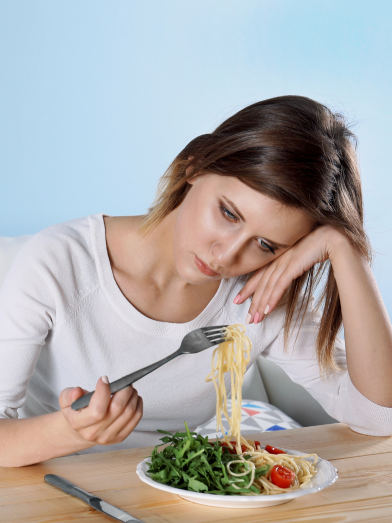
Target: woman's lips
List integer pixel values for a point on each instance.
(204, 268)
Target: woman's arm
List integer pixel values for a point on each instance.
(32, 440)
(106, 421)
(368, 330)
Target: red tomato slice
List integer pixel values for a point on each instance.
(282, 476)
(224, 444)
(257, 444)
(273, 450)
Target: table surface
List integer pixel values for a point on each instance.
(363, 491)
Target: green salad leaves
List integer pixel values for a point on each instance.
(190, 462)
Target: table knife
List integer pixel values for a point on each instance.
(95, 502)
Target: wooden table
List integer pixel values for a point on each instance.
(363, 491)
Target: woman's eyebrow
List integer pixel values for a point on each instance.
(274, 244)
(234, 207)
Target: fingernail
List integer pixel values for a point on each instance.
(266, 310)
(105, 379)
(248, 318)
(237, 299)
(256, 318)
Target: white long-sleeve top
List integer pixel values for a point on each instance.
(64, 322)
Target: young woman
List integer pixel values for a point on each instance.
(246, 220)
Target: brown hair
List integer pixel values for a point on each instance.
(300, 153)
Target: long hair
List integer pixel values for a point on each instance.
(298, 152)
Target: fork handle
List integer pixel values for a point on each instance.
(125, 381)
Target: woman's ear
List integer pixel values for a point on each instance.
(191, 181)
(190, 158)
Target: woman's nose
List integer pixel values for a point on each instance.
(225, 253)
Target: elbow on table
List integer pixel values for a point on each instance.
(364, 415)
(383, 430)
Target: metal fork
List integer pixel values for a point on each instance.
(194, 342)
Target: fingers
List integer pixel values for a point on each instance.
(99, 403)
(69, 395)
(133, 421)
(121, 401)
(267, 295)
(65, 398)
(106, 416)
(122, 408)
(251, 285)
(267, 286)
(103, 409)
(125, 423)
(268, 289)
(96, 410)
(77, 393)
(258, 286)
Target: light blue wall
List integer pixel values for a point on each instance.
(97, 97)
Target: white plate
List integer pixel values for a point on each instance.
(326, 476)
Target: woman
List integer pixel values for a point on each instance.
(246, 220)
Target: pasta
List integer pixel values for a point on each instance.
(232, 356)
(304, 470)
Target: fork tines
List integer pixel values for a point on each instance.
(214, 334)
(214, 328)
(217, 341)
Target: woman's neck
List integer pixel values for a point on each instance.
(144, 269)
(148, 258)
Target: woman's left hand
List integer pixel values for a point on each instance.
(269, 283)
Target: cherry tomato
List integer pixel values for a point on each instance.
(282, 476)
(224, 444)
(273, 450)
(257, 444)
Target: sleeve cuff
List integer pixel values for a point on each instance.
(368, 408)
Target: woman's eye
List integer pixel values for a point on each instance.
(228, 214)
(265, 246)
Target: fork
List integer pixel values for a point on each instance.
(194, 342)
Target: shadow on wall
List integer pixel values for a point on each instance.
(266, 381)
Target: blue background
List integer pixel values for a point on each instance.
(97, 97)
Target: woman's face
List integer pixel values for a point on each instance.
(225, 229)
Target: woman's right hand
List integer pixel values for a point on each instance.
(107, 419)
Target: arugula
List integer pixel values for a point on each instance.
(190, 462)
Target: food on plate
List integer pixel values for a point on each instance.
(286, 472)
(228, 467)
(274, 450)
(191, 462)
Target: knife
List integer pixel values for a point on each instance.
(95, 502)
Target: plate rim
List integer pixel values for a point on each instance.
(219, 497)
